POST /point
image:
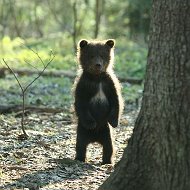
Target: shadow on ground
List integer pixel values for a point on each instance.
(63, 169)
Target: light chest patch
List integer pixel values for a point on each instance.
(99, 96)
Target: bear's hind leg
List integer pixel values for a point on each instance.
(108, 152)
(81, 143)
(81, 146)
(108, 148)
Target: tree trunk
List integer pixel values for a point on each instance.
(13, 10)
(75, 20)
(98, 14)
(37, 20)
(158, 154)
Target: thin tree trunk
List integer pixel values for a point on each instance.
(158, 154)
(37, 21)
(14, 16)
(99, 10)
(75, 19)
(4, 14)
(97, 18)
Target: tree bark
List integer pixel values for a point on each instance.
(158, 154)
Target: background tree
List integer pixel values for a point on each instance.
(158, 154)
(99, 8)
(139, 19)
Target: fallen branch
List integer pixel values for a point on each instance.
(63, 73)
(131, 80)
(50, 73)
(4, 109)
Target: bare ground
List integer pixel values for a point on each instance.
(45, 160)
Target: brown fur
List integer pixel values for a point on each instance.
(98, 101)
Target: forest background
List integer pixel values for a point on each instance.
(45, 26)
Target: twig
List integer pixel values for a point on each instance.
(24, 89)
(31, 65)
(34, 53)
(39, 75)
(23, 99)
(13, 74)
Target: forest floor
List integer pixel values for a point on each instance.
(46, 159)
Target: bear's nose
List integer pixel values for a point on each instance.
(98, 65)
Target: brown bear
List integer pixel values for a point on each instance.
(98, 102)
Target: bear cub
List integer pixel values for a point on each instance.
(98, 102)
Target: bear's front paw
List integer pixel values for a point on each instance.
(90, 124)
(113, 122)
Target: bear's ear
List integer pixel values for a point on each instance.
(83, 43)
(110, 43)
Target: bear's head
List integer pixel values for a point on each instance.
(95, 57)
